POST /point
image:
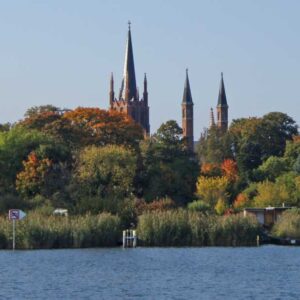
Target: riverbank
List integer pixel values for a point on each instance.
(168, 228)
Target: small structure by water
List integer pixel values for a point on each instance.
(129, 238)
(266, 216)
(60, 212)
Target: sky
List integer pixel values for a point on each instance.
(62, 52)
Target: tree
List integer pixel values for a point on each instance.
(37, 110)
(256, 139)
(84, 126)
(270, 194)
(270, 169)
(105, 175)
(214, 146)
(15, 145)
(100, 127)
(213, 190)
(32, 179)
(230, 170)
(169, 170)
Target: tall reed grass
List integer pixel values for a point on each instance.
(37, 231)
(288, 226)
(186, 228)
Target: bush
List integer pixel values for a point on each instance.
(199, 206)
(288, 226)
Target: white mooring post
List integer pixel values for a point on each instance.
(124, 238)
(129, 238)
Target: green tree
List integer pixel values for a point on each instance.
(15, 145)
(104, 176)
(214, 146)
(169, 170)
(271, 168)
(213, 191)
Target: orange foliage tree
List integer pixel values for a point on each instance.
(230, 170)
(32, 179)
(102, 127)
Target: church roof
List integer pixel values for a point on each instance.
(128, 89)
(222, 101)
(187, 95)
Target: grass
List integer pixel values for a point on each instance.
(186, 228)
(288, 226)
(37, 231)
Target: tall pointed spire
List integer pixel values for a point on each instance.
(188, 114)
(111, 89)
(187, 95)
(212, 118)
(129, 91)
(145, 93)
(222, 95)
(222, 107)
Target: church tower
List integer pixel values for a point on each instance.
(222, 107)
(128, 101)
(187, 114)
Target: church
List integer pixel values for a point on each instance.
(130, 102)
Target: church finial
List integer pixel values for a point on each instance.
(129, 24)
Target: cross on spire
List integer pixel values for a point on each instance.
(129, 23)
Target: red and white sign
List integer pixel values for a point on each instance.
(16, 214)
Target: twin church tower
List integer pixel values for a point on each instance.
(130, 103)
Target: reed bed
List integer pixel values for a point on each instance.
(288, 226)
(186, 228)
(37, 231)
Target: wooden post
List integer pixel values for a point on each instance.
(257, 240)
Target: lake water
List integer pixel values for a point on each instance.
(268, 272)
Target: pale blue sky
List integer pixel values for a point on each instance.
(62, 52)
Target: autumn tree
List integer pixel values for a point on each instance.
(213, 191)
(15, 145)
(104, 177)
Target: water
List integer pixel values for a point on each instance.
(268, 272)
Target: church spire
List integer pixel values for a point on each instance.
(111, 90)
(222, 107)
(187, 95)
(129, 90)
(188, 114)
(145, 93)
(222, 101)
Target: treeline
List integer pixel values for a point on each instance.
(255, 163)
(90, 160)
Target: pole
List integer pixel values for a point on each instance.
(14, 234)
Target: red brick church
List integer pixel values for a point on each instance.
(130, 102)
